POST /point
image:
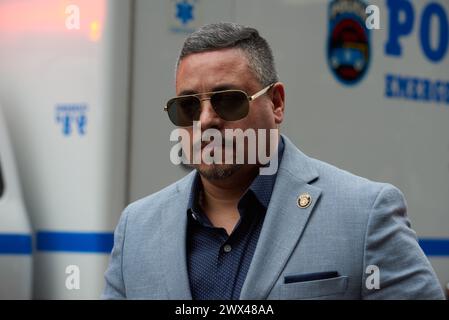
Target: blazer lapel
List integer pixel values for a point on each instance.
(284, 223)
(173, 242)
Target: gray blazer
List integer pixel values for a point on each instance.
(350, 225)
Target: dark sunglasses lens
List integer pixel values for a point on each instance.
(183, 111)
(230, 106)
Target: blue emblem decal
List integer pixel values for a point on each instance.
(184, 12)
(348, 46)
(72, 117)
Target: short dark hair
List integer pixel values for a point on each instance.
(223, 35)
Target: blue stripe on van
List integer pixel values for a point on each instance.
(83, 242)
(435, 247)
(11, 243)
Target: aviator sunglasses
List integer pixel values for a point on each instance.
(230, 105)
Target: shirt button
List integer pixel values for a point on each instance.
(227, 248)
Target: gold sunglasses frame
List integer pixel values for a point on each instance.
(198, 95)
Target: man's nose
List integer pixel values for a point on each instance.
(208, 117)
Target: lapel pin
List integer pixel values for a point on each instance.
(304, 200)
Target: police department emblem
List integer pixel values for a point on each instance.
(348, 47)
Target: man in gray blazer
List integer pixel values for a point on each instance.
(226, 231)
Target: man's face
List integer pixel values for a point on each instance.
(223, 70)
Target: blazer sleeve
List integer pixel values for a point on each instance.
(115, 286)
(391, 246)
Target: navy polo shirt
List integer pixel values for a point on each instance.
(218, 263)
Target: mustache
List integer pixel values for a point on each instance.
(214, 142)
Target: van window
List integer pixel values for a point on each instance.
(1, 181)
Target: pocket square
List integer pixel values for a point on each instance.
(310, 276)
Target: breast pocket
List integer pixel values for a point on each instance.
(332, 288)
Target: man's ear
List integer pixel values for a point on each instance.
(278, 100)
